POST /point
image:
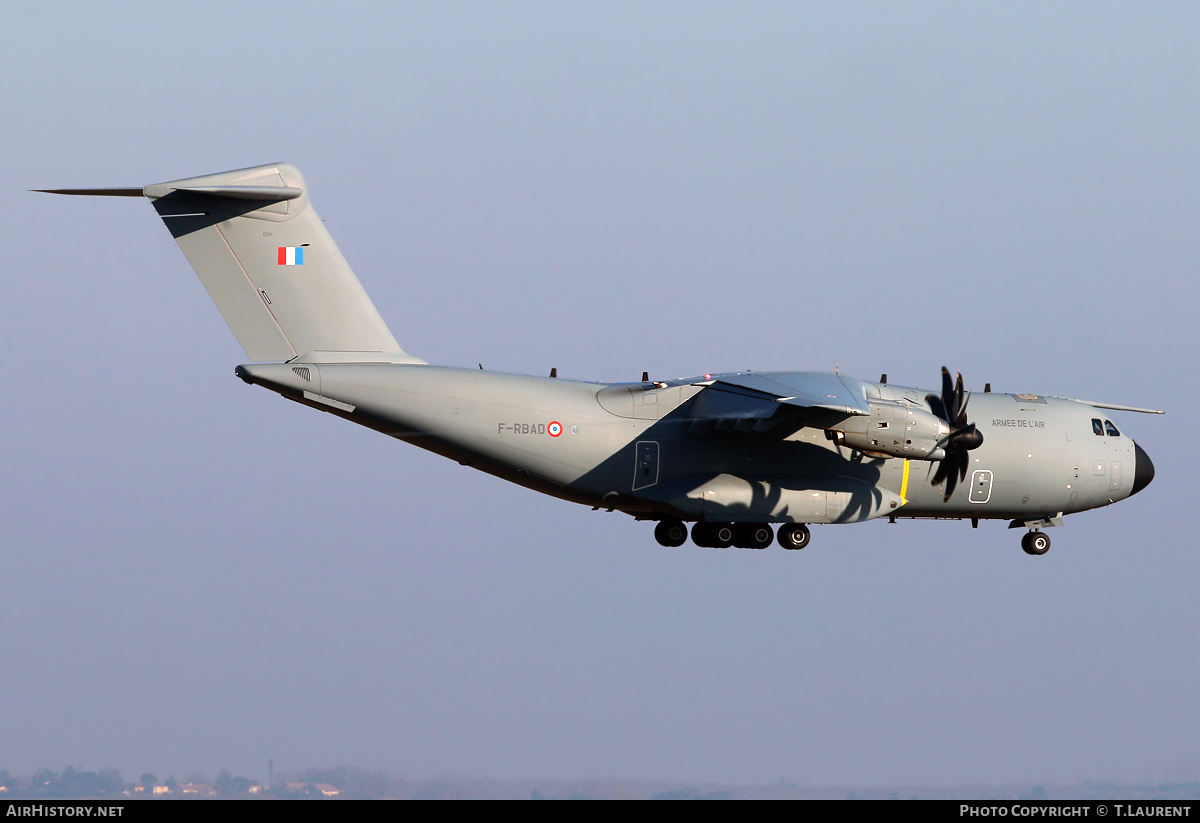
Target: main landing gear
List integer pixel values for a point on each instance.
(1035, 543)
(794, 536)
(723, 535)
(670, 533)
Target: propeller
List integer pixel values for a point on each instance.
(963, 436)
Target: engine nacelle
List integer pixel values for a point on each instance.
(894, 430)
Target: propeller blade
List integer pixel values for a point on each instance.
(947, 395)
(951, 483)
(963, 437)
(940, 474)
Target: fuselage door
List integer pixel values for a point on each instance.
(645, 472)
(981, 486)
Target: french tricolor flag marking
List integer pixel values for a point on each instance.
(291, 255)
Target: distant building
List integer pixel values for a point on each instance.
(197, 790)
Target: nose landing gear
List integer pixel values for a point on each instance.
(1035, 543)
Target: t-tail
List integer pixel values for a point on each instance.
(268, 263)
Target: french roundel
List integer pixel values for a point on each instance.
(554, 429)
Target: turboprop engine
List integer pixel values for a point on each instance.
(894, 430)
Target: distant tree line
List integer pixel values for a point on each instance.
(70, 782)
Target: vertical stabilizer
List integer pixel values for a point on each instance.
(274, 272)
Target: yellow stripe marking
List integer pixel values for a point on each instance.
(904, 486)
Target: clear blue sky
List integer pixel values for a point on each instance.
(197, 575)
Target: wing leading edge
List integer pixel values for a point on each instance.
(759, 396)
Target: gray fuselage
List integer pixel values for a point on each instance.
(645, 449)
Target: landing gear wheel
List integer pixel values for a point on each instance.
(794, 536)
(670, 533)
(753, 535)
(722, 535)
(1035, 543)
(713, 535)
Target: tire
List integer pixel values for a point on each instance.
(670, 533)
(794, 536)
(722, 535)
(1036, 543)
(754, 535)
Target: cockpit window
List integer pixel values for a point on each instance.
(1097, 426)
(1111, 429)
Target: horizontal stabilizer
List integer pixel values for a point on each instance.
(126, 192)
(272, 193)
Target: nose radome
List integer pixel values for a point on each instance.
(1143, 469)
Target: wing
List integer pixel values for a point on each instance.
(759, 400)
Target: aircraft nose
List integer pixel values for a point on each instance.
(1143, 469)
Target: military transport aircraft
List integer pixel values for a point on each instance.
(733, 454)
